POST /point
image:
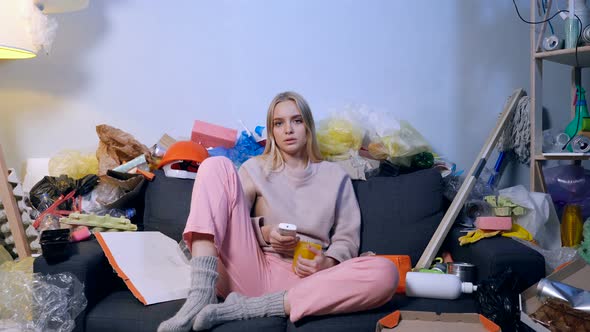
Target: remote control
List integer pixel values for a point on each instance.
(287, 229)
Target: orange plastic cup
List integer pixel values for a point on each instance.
(404, 265)
(302, 250)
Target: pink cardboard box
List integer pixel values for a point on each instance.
(211, 135)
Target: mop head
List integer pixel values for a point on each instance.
(516, 136)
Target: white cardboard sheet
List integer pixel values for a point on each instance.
(151, 264)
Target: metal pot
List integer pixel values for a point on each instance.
(465, 271)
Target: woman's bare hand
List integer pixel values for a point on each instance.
(284, 245)
(307, 267)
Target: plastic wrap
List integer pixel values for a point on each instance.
(338, 135)
(73, 164)
(553, 257)
(398, 143)
(35, 302)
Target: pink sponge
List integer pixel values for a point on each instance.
(81, 233)
(494, 223)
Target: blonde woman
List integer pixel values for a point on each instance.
(238, 252)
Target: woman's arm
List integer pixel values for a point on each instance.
(249, 190)
(345, 234)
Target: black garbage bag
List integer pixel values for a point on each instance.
(61, 185)
(497, 299)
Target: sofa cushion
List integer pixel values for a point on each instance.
(167, 204)
(121, 312)
(366, 320)
(400, 214)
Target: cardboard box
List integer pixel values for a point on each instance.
(401, 320)
(211, 136)
(576, 274)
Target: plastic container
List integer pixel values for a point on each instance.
(571, 225)
(465, 271)
(54, 244)
(45, 202)
(302, 250)
(436, 286)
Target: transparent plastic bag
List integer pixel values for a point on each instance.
(35, 302)
(398, 143)
(339, 136)
(74, 164)
(553, 257)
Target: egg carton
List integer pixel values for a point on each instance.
(27, 214)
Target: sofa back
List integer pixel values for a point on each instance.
(399, 214)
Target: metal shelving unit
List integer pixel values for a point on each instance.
(538, 57)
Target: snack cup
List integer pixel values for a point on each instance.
(302, 250)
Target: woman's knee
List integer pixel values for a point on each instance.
(386, 274)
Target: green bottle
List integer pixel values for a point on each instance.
(575, 125)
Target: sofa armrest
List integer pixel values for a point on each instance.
(494, 255)
(89, 264)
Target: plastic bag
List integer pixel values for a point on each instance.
(338, 135)
(554, 257)
(61, 185)
(540, 218)
(36, 302)
(246, 147)
(398, 143)
(73, 164)
(569, 184)
(497, 299)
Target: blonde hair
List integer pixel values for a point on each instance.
(272, 152)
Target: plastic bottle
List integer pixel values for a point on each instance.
(436, 286)
(45, 203)
(572, 27)
(571, 225)
(117, 213)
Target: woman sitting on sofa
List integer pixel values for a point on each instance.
(247, 261)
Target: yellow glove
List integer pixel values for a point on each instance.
(519, 232)
(474, 236)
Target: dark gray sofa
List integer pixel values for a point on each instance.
(399, 216)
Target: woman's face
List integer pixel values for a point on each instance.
(288, 129)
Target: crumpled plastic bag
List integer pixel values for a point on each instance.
(116, 147)
(246, 147)
(36, 302)
(74, 164)
(339, 136)
(397, 143)
(540, 218)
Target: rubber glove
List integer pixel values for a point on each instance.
(474, 236)
(519, 232)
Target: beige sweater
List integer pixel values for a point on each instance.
(320, 200)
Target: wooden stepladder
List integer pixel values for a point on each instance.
(12, 212)
(449, 218)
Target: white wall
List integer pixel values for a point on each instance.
(152, 67)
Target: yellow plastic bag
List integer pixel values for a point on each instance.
(337, 136)
(73, 164)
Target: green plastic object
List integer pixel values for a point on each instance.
(575, 125)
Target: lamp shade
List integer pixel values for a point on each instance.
(15, 37)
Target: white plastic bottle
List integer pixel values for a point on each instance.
(436, 285)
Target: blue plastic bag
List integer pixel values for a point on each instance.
(245, 148)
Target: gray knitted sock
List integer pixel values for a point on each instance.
(237, 306)
(201, 293)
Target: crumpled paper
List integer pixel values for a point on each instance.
(116, 147)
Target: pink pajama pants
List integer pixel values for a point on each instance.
(218, 208)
